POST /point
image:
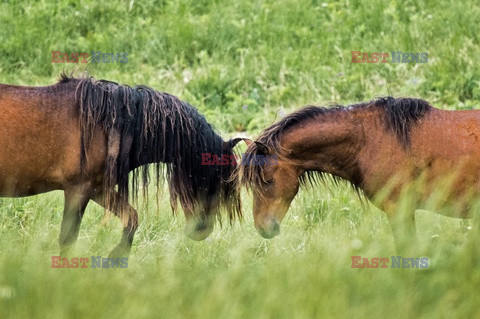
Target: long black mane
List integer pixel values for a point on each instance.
(146, 127)
(398, 117)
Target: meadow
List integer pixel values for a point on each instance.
(244, 64)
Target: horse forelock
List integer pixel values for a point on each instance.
(151, 128)
(249, 176)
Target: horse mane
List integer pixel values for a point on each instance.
(146, 127)
(399, 115)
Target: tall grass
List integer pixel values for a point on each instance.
(306, 272)
(243, 64)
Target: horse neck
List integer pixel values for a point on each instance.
(329, 144)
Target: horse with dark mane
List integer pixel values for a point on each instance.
(84, 137)
(386, 148)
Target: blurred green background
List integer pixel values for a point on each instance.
(244, 64)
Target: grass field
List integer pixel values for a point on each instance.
(244, 64)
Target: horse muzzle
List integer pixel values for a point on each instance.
(198, 229)
(269, 229)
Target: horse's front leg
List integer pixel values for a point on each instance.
(404, 233)
(119, 205)
(400, 210)
(76, 200)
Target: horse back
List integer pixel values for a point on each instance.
(40, 139)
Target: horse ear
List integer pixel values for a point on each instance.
(234, 141)
(262, 148)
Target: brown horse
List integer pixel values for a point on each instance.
(85, 136)
(386, 148)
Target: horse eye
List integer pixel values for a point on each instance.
(270, 181)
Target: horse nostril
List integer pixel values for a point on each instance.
(276, 228)
(265, 234)
(201, 226)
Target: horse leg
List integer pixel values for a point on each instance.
(76, 200)
(126, 213)
(404, 232)
(400, 206)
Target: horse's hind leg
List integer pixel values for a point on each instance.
(76, 200)
(128, 216)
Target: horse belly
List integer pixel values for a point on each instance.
(26, 174)
(13, 188)
(453, 188)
